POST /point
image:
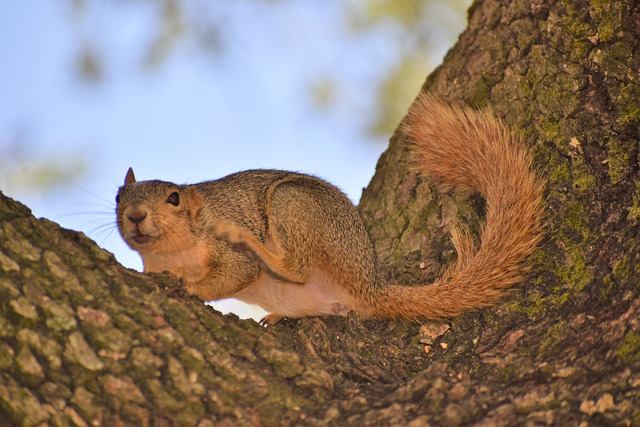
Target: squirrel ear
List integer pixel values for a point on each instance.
(194, 201)
(130, 178)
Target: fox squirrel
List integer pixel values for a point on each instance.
(295, 244)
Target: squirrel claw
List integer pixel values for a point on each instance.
(270, 319)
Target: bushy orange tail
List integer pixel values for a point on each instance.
(471, 150)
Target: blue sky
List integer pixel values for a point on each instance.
(195, 117)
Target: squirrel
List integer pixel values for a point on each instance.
(296, 246)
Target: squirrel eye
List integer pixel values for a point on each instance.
(117, 198)
(174, 198)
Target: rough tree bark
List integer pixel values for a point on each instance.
(84, 341)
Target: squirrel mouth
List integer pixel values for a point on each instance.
(142, 239)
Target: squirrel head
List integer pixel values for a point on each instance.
(156, 217)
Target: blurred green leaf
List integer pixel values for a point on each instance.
(397, 93)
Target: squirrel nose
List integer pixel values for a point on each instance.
(136, 217)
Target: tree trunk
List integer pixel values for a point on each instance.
(83, 341)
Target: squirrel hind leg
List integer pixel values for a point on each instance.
(247, 244)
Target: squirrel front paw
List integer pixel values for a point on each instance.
(188, 287)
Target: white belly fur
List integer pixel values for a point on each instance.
(318, 296)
